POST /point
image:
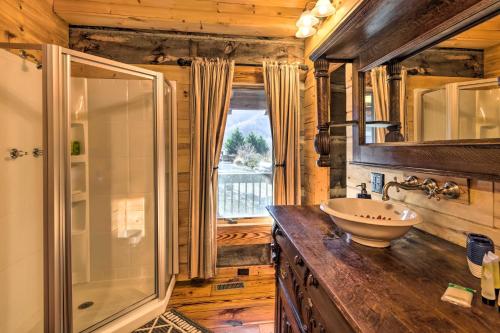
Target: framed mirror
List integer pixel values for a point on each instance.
(425, 86)
(449, 92)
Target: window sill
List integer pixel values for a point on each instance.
(250, 221)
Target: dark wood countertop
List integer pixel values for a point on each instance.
(397, 289)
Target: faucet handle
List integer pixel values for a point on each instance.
(411, 180)
(429, 186)
(434, 193)
(450, 190)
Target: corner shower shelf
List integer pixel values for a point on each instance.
(77, 197)
(78, 159)
(80, 210)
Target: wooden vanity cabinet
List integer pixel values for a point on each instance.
(302, 305)
(327, 283)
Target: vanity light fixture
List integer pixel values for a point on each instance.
(323, 8)
(305, 32)
(306, 24)
(309, 18)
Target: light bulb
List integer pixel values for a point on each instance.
(323, 8)
(305, 32)
(307, 19)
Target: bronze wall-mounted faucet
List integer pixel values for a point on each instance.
(450, 190)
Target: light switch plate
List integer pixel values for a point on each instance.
(377, 182)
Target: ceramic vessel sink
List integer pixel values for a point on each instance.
(371, 223)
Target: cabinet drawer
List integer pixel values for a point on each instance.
(294, 258)
(289, 320)
(308, 299)
(291, 287)
(302, 308)
(332, 319)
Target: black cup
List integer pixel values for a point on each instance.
(477, 246)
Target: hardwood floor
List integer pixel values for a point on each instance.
(246, 310)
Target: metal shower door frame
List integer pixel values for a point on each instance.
(57, 183)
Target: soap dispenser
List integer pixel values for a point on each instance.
(364, 193)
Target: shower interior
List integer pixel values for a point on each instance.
(117, 124)
(458, 110)
(112, 231)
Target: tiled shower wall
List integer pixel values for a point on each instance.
(21, 197)
(121, 173)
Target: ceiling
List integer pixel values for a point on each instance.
(267, 18)
(482, 36)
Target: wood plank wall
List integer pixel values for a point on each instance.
(31, 22)
(268, 18)
(492, 61)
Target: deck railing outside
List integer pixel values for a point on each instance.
(244, 194)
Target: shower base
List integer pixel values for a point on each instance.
(108, 298)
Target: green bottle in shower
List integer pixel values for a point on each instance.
(75, 148)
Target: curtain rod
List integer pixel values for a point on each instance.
(187, 62)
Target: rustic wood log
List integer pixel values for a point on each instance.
(243, 255)
(446, 62)
(322, 138)
(248, 99)
(159, 47)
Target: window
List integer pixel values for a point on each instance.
(246, 168)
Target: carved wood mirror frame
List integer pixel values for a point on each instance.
(352, 42)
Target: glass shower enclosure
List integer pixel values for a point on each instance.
(108, 138)
(465, 110)
(109, 184)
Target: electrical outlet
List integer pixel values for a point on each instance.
(377, 182)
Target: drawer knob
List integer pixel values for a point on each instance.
(274, 253)
(311, 281)
(298, 261)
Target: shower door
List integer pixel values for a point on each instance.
(106, 185)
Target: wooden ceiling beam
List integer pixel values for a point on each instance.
(206, 3)
(255, 7)
(257, 18)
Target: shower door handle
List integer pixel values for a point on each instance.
(15, 153)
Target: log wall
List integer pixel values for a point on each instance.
(31, 22)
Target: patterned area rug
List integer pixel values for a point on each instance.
(172, 321)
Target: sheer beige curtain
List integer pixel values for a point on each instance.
(210, 93)
(380, 98)
(281, 82)
(403, 103)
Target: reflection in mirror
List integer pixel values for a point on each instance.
(448, 92)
